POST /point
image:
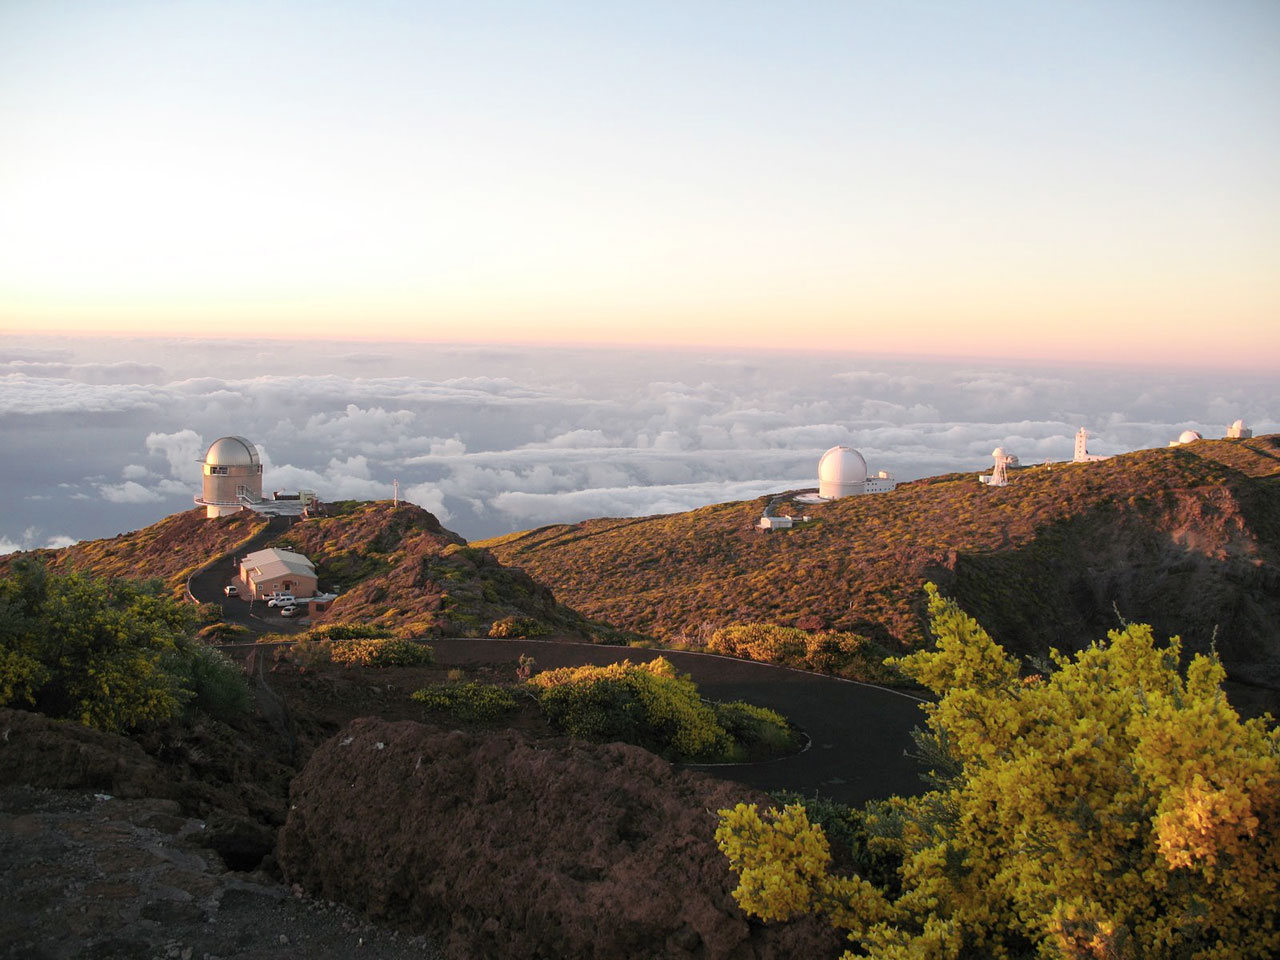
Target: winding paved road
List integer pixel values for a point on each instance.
(860, 734)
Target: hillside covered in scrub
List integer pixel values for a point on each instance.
(399, 569)
(169, 550)
(396, 568)
(1185, 538)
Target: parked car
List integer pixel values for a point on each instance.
(290, 611)
(280, 600)
(231, 590)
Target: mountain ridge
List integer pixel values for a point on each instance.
(1186, 538)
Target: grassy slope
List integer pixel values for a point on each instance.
(1186, 536)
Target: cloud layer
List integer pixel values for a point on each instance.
(106, 436)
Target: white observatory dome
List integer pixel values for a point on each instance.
(841, 472)
(1189, 436)
(998, 452)
(231, 452)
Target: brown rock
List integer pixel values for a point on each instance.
(60, 754)
(511, 848)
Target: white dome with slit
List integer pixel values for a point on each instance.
(231, 452)
(842, 471)
(232, 477)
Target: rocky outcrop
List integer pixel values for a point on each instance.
(510, 848)
(42, 752)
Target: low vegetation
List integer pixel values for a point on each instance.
(1115, 808)
(113, 654)
(653, 706)
(471, 702)
(380, 653)
(646, 704)
(845, 655)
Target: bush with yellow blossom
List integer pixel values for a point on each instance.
(1115, 808)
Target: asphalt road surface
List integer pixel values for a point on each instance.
(859, 734)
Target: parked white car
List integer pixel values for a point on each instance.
(280, 600)
(231, 590)
(290, 611)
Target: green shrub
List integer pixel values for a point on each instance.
(842, 654)
(346, 631)
(757, 732)
(111, 654)
(647, 704)
(381, 653)
(309, 654)
(217, 682)
(472, 702)
(523, 627)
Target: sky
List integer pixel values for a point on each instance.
(102, 436)
(1042, 181)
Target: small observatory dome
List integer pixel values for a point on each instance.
(1189, 436)
(232, 452)
(1238, 431)
(841, 471)
(232, 476)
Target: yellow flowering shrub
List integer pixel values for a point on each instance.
(843, 654)
(1111, 809)
(643, 703)
(380, 653)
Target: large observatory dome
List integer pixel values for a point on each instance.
(1189, 436)
(841, 471)
(232, 452)
(232, 476)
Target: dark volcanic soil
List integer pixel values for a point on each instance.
(85, 875)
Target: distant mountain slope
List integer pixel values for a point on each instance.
(1186, 538)
(396, 565)
(169, 550)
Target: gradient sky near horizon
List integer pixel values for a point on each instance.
(1085, 180)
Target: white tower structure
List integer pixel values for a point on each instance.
(232, 477)
(842, 472)
(1238, 431)
(1082, 449)
(1000, 473)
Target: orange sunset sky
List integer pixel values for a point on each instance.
(1069, 180)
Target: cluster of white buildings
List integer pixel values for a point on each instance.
(999, 476)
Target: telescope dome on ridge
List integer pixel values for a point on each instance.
(842, 471)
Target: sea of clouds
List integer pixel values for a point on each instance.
(102, 436)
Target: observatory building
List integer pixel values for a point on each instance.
(232, 477)
(1238, 431)
(1186, 436)
(1082, 454)
(842, 472)
(999, 475)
